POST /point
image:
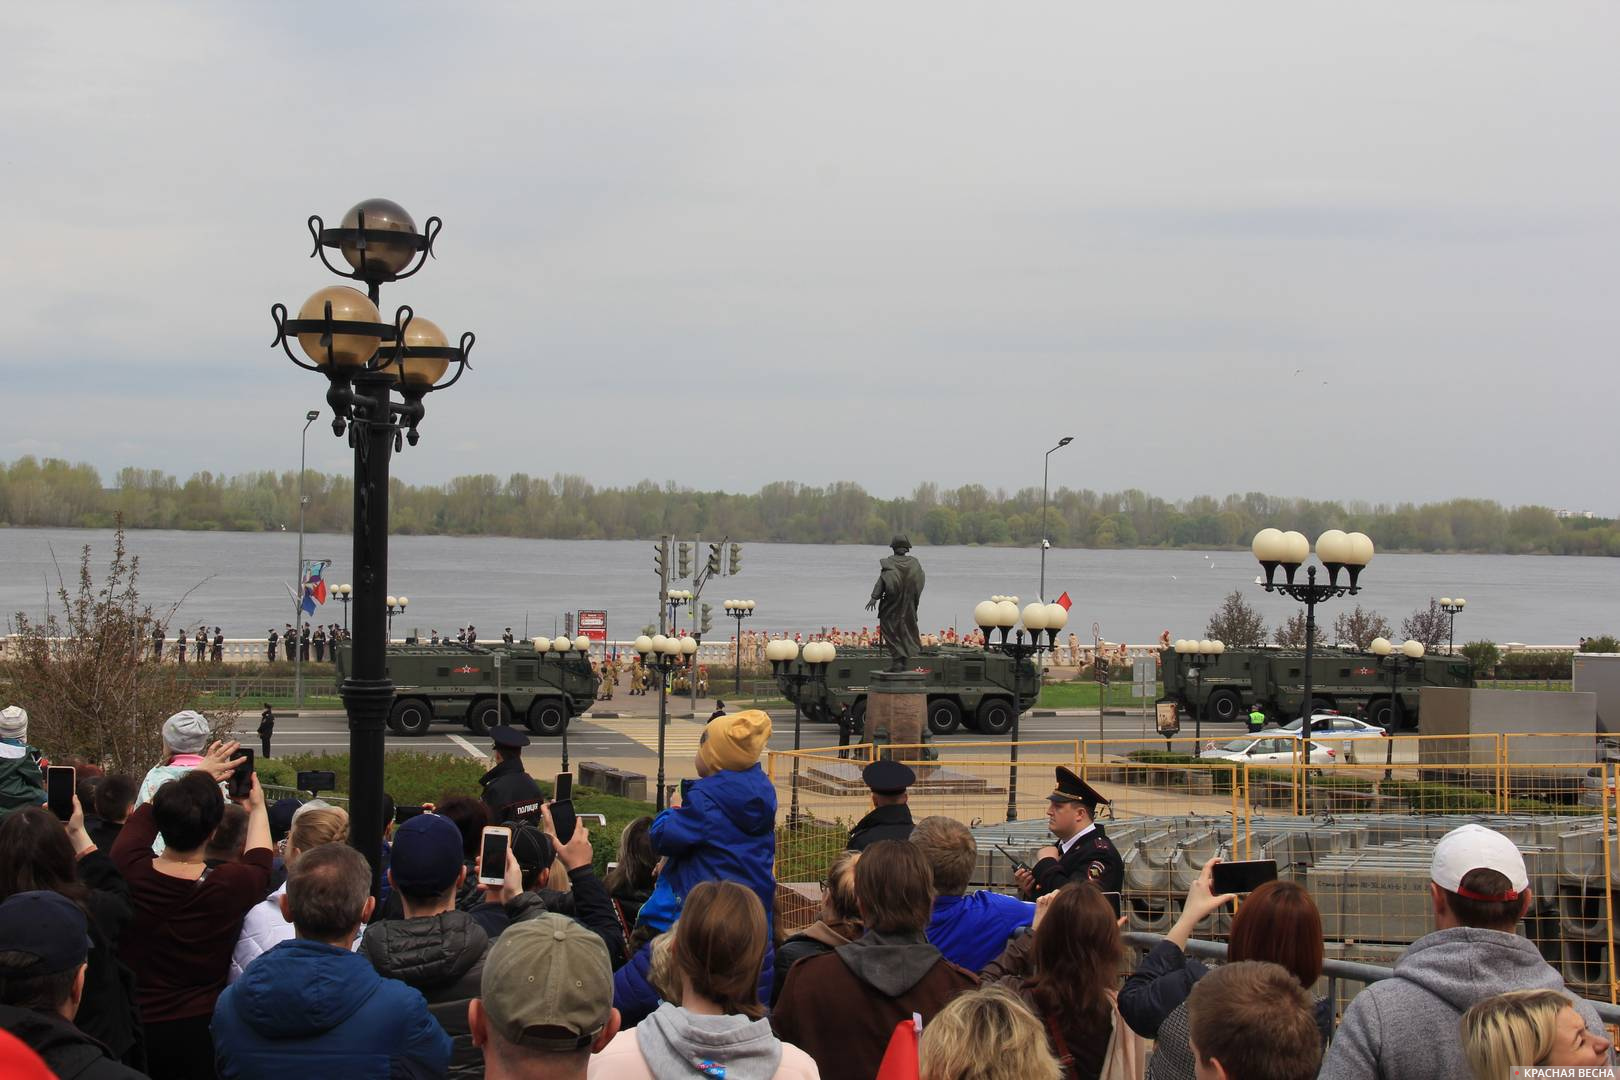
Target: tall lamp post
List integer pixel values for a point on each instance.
(1198, 655)
(992, 615)
(661, 654)
(563, 648)
(345, 594)
(364, 359)
(298, 601)
(1407, 657)
(396, 606)
(739, 610)
(1451, 607)
(791, 664)
(1046, 471)
(1339, 553)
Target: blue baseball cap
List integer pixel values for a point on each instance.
(426, 857)
(47, 926)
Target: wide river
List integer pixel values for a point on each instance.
(238, 581)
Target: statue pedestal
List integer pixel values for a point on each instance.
(897, 712)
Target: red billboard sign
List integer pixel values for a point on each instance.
(592, 624)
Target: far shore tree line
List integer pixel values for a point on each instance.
(53, 492)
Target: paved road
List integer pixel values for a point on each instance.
(633, 741)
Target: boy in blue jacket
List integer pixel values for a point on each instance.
(724, 830)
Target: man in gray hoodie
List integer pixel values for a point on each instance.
(1407, 1027)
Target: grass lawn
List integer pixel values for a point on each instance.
(1084, 695)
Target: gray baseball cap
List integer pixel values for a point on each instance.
(548, 984)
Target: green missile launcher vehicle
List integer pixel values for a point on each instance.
(981, 689)
(1345, 680)
(460, 684)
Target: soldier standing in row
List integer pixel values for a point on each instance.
(320, 644)
(180, 644)
(270, 645)
(303, 644)
(218, 653)
(200, 646)
(472, 634)
(289, 641)
(507, 637)
(157, 642)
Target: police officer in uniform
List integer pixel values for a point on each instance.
(890, 818)
(180, 644)
(1083, 852)
(217, 653)
(271, 645)
(157, 642)
(267, 728)
(1257, 718)
(509, 791)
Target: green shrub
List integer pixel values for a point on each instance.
(1535, 665)
(1603, 643)
(1484, 656)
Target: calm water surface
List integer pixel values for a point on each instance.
(238, 581)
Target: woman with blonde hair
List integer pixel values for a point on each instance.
(1527, 1027)
(265, 927)
(986, 1034)
(719, 1026)
(839, 922)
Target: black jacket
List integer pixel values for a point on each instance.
(883, 823)
(587, 904)
(69, 1052)
(443, 957)
(1093, 858)
(107, 1012)
(1160, 982)
(511, 793)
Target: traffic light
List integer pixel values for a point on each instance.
(659, 555)
(684, 560)
(708, 616)
(714, 560)
(736, 557)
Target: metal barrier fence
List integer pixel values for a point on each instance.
(1356, 827)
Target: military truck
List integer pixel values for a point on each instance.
(459, 683)
(981, 689)
(1346, 680)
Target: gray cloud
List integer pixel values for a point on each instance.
(726, 243)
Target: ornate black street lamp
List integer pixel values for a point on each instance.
(663, 654)
(565, 649)
(1001, 613)
(345, 593)
(396, 606)
(1339, 552)
(1451, 607)
(1198, 655)
(739, 610)
(1407, 657)
(791, 664)
(365, 359)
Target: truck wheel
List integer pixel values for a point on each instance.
(547, 716)
(944, 715)
(486, 713)
(411, 716)
(1380, 711)
(995, 716)
(1223, 705)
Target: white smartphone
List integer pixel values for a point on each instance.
(497, 842)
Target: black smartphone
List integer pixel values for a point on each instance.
(317, 782)
(1242, 877)
(492, 854)
(562, 808)
(240, 783)
(1017, 863)
(59, 784)
(402, 814)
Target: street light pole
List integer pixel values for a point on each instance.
(809, 666)
(739, 610)
(1408, 656)
(298, 601)
(1046, 471)
(991, 615)
(1199, 655)
(1451, 607)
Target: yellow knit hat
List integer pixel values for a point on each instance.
(735, 742)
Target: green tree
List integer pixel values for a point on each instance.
(1603, 643)
(1236, 623)
(939, 525)
(1484, 656)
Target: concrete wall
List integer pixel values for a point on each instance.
(1599, 673)
(1451, 711)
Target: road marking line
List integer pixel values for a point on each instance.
(472, 751)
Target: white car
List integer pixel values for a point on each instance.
(1268, 749)
(1338, 726)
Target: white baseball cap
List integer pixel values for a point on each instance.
(1474, 847)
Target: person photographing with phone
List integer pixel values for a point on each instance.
(1083, 851)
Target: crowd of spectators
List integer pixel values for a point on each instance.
(161, 929)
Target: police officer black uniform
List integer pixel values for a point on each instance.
(267, 728)
(271, 645)
(1087, 854)
(510, 792)
(890, 818)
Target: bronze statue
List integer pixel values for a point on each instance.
(895, 596)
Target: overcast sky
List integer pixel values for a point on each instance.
(1357, 251)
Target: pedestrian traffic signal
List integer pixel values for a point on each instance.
(683, 560)
(660, 553)
(736, 557)
(714, 560)
(708, 616)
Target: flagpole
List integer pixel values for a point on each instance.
(298, 603)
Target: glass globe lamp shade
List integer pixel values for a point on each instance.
(1361, 550)
(1268, 545)
(1057, 617)
(643, 644)
(1413, 650)
(582, 644)
(418, 371)
(543, 644)
(384, 256)
(1380, 647)
(1296, 549)
(348, 305)
(689, 646)
(1333, 547)
(1035, 617)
